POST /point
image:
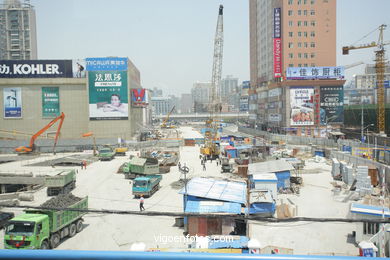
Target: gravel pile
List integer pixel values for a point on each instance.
(61, 201)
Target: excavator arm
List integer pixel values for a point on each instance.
(164, 123)
(30, 148)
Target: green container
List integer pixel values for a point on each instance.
(61, 179)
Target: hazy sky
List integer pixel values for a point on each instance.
(171, 41)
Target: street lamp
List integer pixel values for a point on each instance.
(364, 128)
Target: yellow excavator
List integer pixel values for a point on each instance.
(165, 124)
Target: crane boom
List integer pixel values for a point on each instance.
(30, 148)
(164, 123)
(380, 74)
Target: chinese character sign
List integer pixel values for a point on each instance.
(277, 44)
(315, 73)
(332, 105)
(106, 64)
(302, 106)
(12, 102)
(108, 95)
(50, 102)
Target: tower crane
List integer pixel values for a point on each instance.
(210, 149)
(380, 71)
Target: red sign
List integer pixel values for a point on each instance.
(277, 57)
(138, 97)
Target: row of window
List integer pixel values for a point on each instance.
(302, 23)
(302, 65)
(305, 45)
(302, 55)
(304, 34)
(301, 12)
(300, 2)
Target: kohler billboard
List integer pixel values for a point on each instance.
(36, 69)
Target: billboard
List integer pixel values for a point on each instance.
(332, 105)
(277, 44)
(302, 106)
(36, 69)
(106, 64)
(12, 100)
(50, 102)
(139, 97)
(78, 68)
(108, 96)
(315, 73)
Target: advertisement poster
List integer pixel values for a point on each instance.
(12, 102)
(108, 95)
(332, 105)
(106, 64)
(139, 97)
(79, 68)
(50, 102)
(302, 107)
(36, 69)
(277, 43)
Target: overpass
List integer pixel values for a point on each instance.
(204, 116)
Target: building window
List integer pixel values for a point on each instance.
(312, 2)
(305, 65)
(305, 23)
(291, 65)
(299, 2)
(313, 23)
(290, 12)
(299, 65)
(300, 55)
(290, 23)
(305, 12)
(290, 2)
(299, 34)
(313, 64)
(291, 55)
(304, 1)
(305, 44)
(290, 45)
(290, 34)
(312, 12)
(312, 55)
(299, 12)
(370, 228)
(312, 34)
(299, 23)
(305, 34)
(305, 56)
(299, 45)
(313, 44)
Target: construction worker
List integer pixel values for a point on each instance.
(141, 203)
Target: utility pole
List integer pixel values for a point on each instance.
(362, 134)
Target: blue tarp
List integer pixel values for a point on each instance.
(262, 208)
(242, 242)
(283, 179)
(231, 153)
(243, 147)
(198, 205)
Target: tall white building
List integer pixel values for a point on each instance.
(18, 35)
(228, 86)
(200, 96)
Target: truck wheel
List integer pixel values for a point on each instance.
(44, 245)
(55, 240)
(79, 226)
(72, 230)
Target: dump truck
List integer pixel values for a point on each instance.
(106, 154)
(139, 166)
(62, 183)
(45, 228)
(226, 166)
(147, 185)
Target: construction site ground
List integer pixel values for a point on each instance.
(108, 190)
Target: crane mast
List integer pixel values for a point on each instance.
(380, 74)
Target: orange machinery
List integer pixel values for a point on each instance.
(31, 147)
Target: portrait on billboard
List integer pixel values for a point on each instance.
(302, 106)
(78, 68)
(12, 100)
(108, 95)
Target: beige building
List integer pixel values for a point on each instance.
(283, 34)
(74, 102)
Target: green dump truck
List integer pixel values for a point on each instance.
(61, 183)
(146, 185)
(45, 228)
(140, 167)
(106, 154)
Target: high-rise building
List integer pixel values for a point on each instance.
(290, 33)
(200, 96)
(294, 35)
(18, 35)
(186, 103)
(228, 86)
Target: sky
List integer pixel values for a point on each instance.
(171, 42)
